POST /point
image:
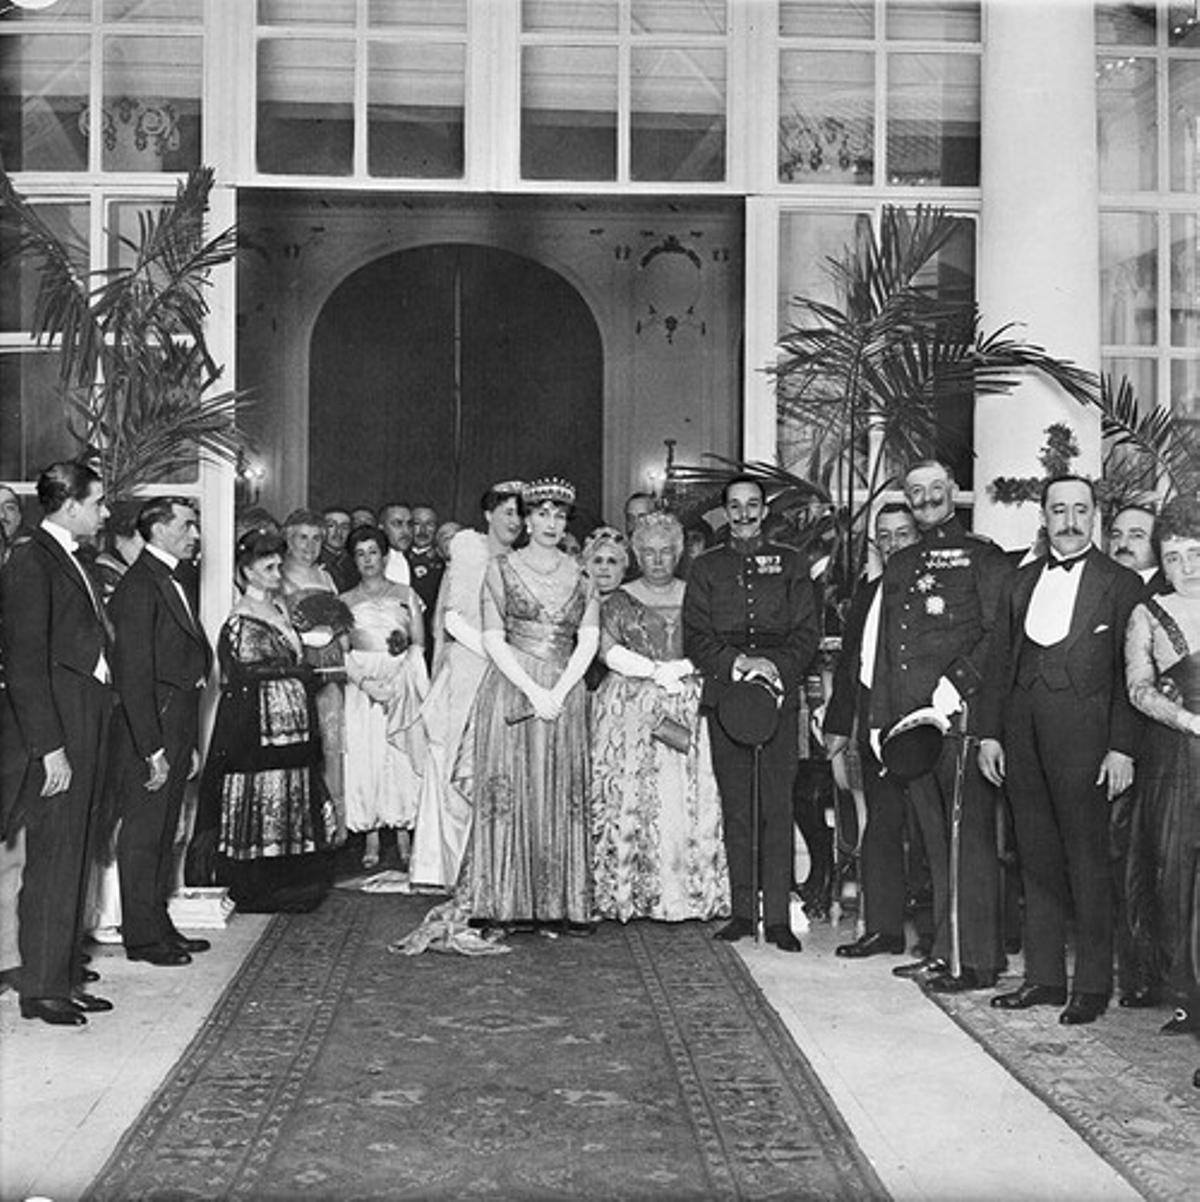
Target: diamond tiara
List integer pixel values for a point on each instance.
(549, 488)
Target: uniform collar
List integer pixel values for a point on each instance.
(750, 546)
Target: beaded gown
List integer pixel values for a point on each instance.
(531, 854)
(656, 811)
(1164, 859)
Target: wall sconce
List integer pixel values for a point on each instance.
(252, 474)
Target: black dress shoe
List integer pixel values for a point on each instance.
(1031, 995)
(928, 966)
(88, 976)
(1083, 1008)
(735, 929)
(90, 1003)
(968, 979)
(873, 944)
(1140, 997)
(1180, 1023)
(160, 954)
(781, 936)
(182, 943)
(57, 1011)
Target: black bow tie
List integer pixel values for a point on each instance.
(182, 573)
(1065, 564)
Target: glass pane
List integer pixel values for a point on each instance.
(595, 16)
(1128, 279)
(1124, 24)
(807, 241)
(306, 12)
(827, 18)
(59, 10)
(121, 228)
(418, 14)
(678, 114)
(415, 98)
(43, 91)
(944, 21)
(151, 116)
(933, 119)
(154, 10)
(1183, 24)
(1185, 387)
(1130, 468)
(1184, 107)
(569, 112)
(19, 278)
(306, 107)
(677, 16)
(33, 428)
(826, 117)
(1127, 124)
(1185, 280)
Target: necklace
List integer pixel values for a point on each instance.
(528, 562)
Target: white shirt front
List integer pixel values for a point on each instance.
(172, 563)
(66, 540)
(1048, 618)
(395, 567)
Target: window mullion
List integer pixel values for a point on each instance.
(359, 157)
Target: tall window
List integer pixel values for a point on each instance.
(624, 90)
(879, 93)
(1148, 84)
(371, 88)
(102, 85)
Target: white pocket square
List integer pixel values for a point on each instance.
(1101, 628)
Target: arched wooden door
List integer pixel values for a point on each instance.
(437, 371)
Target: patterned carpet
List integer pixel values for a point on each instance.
(639, 1063)
(1123, 1087)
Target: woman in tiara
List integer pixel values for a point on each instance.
(444, 811)
(531, 856)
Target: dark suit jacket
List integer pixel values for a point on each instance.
(160, 652)
(53, 638)
(849, 697)
(1095, 645)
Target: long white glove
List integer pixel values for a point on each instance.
(947, 700)
(628, 663)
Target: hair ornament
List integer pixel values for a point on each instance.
(514, 487)
(549, 488)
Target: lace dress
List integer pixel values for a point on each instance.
(1164, 861)
(384, 740)
(329, 699)
(656, 811)
(531, 853)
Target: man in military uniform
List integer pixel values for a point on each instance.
(937, 614)
(748, 612)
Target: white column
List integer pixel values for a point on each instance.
(1039, 258)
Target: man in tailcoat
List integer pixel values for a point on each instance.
(161, 661)
(1057, 726)
(749, 610)
(57, 656)
(938, 606)
(848, 712)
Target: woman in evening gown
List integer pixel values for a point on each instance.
(659, 849)
(263, 794)
(1162, 654)
(444, 810)
(531, 856)
(303, 577)
(386, 682)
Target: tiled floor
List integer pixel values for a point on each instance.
(935, 1115)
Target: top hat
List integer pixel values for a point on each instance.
(749, 710)
(913, 744)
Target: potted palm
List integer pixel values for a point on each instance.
(135, 373)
